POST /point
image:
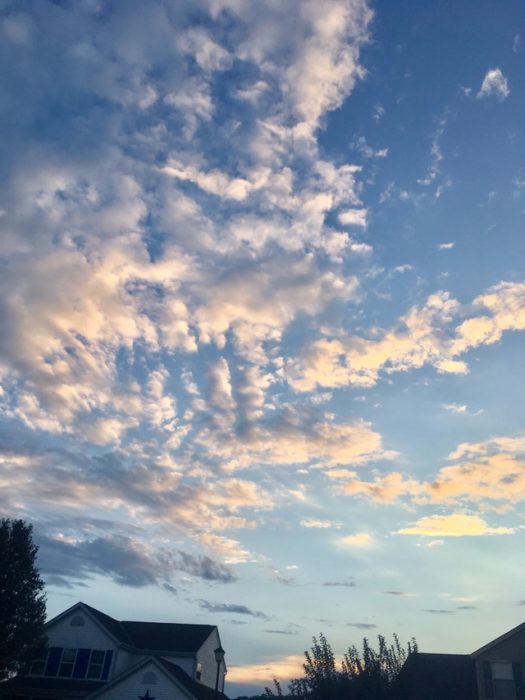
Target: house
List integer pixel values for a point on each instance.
(493, 672)
(92, 656)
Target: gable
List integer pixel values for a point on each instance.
(507, 646)
(78, 628)
(146, 681)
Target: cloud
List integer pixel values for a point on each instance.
(280, 632)
(125, 560)
(434, 611)
(494, 85)
(455, 408)
(425, 335)
(231, 608)
(446, 246)
(403, 594)
(360, 540)
(346, 583)
(317, 524)
(262, 674)
(361, 625)
(353, 217)
(453, 525)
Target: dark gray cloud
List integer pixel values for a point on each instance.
(361, 625)
(280, 632)
(400, 593)
(435, 611)
(348, 583)
(232, 608)
(204, 567)
(467, 607)
(128, 563)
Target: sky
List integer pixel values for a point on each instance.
(262, 303)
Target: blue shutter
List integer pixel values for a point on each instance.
(53, 661)
(107, 664)
(81, 663)
(518, 679)
(487, 679)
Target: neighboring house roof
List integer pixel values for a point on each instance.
(150, 636)
(438, 676)
(498, 640)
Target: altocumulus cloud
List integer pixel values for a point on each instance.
(146, 298)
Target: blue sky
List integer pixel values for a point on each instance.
(262, 302)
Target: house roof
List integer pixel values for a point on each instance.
(34, 685)
(194, 689)
(167, 636)
(437, 676)
(201, 692)
(151, 636)
(498, 640)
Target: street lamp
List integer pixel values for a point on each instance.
(219, 658)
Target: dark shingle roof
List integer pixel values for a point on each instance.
(438, 676)
(201, 692)
(155, 636)
(167, 636)
(113, 626)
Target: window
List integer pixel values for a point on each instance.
(502, 671)
(67, 662)
(38, 666)
(149, 678)
(77, 621)
(96, 662)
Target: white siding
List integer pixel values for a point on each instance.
(131, 688)
(206, 657)
(89, 636)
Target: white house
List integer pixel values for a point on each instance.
(92, 656)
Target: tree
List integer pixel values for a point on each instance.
(22, 599)
(368, 674)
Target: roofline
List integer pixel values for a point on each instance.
(157, 652)
(502, 638)
(137, 667)
(85, 609)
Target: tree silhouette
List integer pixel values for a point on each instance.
(368, 674)
(22, 600)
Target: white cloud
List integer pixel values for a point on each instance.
(360, 540)
(446, 246)
(494, 85)
(316, 524)
(454, 525)
(353, 217)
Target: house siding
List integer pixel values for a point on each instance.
(510, 650)
(206, 657)
(132, 688)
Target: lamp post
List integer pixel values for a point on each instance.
(219, 658)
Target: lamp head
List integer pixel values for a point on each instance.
(219, 654)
